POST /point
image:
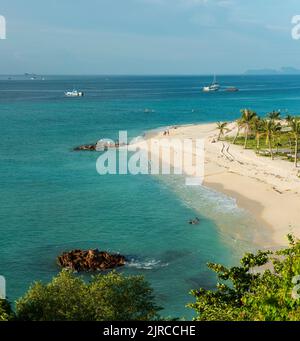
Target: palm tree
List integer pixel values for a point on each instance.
(222, 127)
(247, 117)
(289, 118)
(239, 124)
(295, 126)
(274, 115)
(270, 129)
(258, 128)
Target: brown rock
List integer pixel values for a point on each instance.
(86, 147)
(90, 260)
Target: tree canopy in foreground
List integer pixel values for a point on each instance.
(110, 297)
(263, 288)
(6, 313)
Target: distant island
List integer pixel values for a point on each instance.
(288, 70)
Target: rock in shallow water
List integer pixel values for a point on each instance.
(100, 146)
(90, 260)
(86, 147)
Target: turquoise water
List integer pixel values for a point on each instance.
(52, 198)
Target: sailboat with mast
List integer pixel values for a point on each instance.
(214, 86)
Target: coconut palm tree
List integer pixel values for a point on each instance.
(295, 126)
(247, 117)
(258, 127)
(270, 129)
(289, 119)
(222, 127)
(239, 124)
(274, 115)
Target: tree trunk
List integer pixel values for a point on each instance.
(275, 143)
(236, 136)
(296, 151)
(246, 137)
(271, 150)
(257, 143)
(291, 146)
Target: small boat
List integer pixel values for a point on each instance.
(232, 89)
(214, 86)
(74, 93)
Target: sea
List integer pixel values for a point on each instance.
(53, 200)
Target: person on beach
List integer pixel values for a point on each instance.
(195, 221)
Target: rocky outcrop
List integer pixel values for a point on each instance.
(101, 145)
(90, 260)
(86, 147)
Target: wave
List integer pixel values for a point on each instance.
(146, 264)
(202, 198)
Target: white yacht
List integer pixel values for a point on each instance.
(74, 93)
(214, 86)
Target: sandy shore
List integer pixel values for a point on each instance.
(268, 190)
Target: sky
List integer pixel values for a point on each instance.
(147, 36)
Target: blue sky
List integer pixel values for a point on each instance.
(147, 36)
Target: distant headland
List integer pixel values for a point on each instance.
(287, 70)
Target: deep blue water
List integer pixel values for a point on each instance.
(52, 198)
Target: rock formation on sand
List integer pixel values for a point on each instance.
(90, 260)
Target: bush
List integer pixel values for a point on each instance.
(111, 297)
(253, 293)
(6, 313)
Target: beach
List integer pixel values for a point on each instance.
(268, 189)
(56, 201)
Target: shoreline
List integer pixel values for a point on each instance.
(268, 190)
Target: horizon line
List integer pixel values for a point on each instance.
(148, 75)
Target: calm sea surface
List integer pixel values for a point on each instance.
(53, 200)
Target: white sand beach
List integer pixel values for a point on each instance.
(268, 189)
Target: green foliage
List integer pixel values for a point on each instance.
(6, 313)
(258, 290)
(294, 124)
(265, 135)
(246, 120)
(274, 115)
(222, 127)
(110, 297)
